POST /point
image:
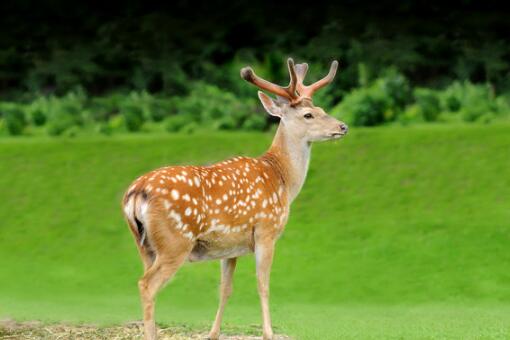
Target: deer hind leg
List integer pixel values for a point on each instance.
(264, 249)
(171, 250)
(227, 272)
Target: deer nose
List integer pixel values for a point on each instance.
(343, 127)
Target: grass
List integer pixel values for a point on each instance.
(398, 233)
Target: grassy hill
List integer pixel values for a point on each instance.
(398, 232)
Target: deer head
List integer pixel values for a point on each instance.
(294, 104)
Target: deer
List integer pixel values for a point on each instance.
(239, 206)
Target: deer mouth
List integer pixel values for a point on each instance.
(336, 135)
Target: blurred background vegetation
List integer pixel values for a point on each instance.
(71, 68)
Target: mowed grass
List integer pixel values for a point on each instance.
(398, 233)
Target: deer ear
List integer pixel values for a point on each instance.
(272, 106)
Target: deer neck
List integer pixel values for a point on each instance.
(292, 154)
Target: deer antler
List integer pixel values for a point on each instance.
(296, 91)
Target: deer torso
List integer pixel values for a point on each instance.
(216, 206)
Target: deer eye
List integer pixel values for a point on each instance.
(308, 116)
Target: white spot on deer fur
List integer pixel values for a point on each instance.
(275, 198)
(186, 197)
(194, 201)
(218, 201)
(175, 194)
(190, 182)
(225, 197)
(197, 181)
(184, 173)
(167, 204)
(173, 179)
(264, 203)
(188, 235)
(195, 211)
(164, 191)
(161, 181)
(187, 212)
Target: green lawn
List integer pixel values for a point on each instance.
(398, 233)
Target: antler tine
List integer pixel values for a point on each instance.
(301, 70)
(250, 76)
(293, 78)
(324, 81)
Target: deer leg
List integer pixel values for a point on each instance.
(164, 267)
(227, 271)
(264, 258)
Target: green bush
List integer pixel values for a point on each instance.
(133, 117)
(38, 117)
(208, 104)
(380, 102)
(14, 120)
(177, 122)
(64, 113)
(364, 107)
(472, 102)
(116, 124)
(256, 122)
(428, 103)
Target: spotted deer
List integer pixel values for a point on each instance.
(232, 208)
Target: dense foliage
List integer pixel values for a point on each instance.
(74, 67)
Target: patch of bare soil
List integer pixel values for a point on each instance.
(10, 329)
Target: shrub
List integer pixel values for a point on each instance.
(38, 117)
(116, 124)
(133, 117)
(210, 106)
(177, 122)
(63, 115)
(255, 122)
(376, 104)
(14, 120)
(427, 103)
(363, 107)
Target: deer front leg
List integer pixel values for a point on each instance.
(264, 249)
(227, 271)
